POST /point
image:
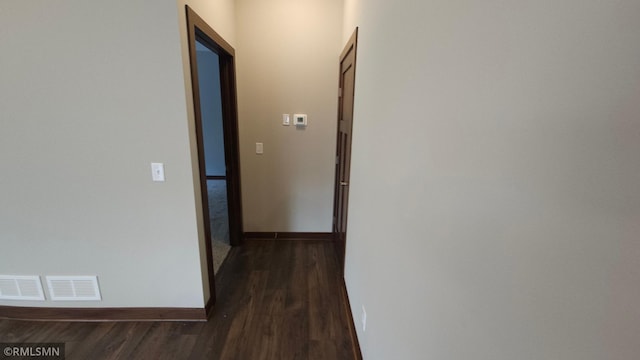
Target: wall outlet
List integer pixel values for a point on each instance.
(364, 319)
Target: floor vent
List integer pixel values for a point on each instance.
(17, 287)
(78, 288)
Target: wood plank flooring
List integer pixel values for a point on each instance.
(276, 300)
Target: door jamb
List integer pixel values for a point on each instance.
(351, 45)
(198, 29)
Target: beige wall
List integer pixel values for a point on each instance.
(500, 218)
(219, 14)
(287, 62)
(91, 94)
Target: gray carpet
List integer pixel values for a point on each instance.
(219, 220)
(220, 251)
(218, 213)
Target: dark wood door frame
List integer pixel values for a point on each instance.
(198, 29)
(343, 147)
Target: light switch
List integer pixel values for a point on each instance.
(157, 171)
(259, 148)
(286, 121)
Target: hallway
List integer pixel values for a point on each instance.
(276, 300)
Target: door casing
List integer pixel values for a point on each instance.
(343, 145)
(198, 29)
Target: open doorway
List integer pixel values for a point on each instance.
(216, 122)
(208, 63)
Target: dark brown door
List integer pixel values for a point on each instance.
(343, 145)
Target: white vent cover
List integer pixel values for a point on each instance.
(17, 287)
(77, 288)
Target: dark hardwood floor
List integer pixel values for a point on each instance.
(276, 300)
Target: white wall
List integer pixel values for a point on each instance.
(287, 62)
(495, 186)
(91, 94)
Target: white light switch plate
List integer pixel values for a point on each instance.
(157, 171)
(286, 120)
(259, 148)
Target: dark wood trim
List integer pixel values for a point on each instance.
(340, 244)
(289, 236)
(352, 43)
(219, 44)
(198, 29)
(232, 147)
(216, 177)
(208, 308)
(357, 353)
(102, 314)
(259, 235)
(193, 22)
